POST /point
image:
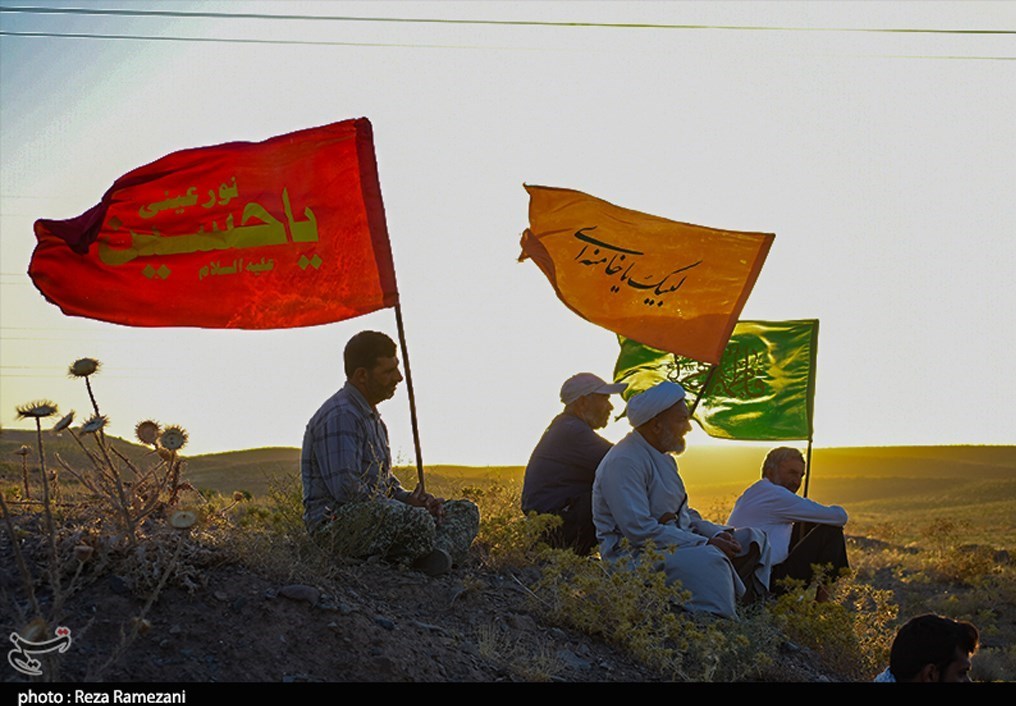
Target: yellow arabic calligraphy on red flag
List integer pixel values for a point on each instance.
(673, 286)
(281, 233)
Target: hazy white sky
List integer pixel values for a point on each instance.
(885, 162)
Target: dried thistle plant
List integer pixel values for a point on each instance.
(23, 453)
(173, 438)
(64, 422)
(130, 493)
(147, 432)
(94, 424)
(85, 368)
(38, 411)
(128, 513)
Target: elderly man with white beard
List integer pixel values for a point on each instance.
(638, 495)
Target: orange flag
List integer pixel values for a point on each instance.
(275, 234)
(674, 286)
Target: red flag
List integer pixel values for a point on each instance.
(275, 234)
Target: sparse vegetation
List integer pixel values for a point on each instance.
(80, 513)
(851, 633)
(506, 538)
(636, 610)
(535, 663)
(119, 518)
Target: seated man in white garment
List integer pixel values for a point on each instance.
(802, 532)
(638, 495)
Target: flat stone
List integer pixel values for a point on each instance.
(384, 665)
(573, 660)
(384, 622)
(521, 622)
(300, 592)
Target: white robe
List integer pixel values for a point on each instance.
(774, 510)
(635, 486)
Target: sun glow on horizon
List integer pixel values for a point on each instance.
(883, 162)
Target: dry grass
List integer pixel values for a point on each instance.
(533, 663)
(86, 521)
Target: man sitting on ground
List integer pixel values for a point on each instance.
(559, 477)
(802, 532)
(930, 648)
(351, 499)
(639, 497)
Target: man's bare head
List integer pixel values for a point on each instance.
(784, 466)
(930, 648)
(372, 366)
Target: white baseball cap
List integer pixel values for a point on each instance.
(582, 384)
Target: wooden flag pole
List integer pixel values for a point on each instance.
(702, 390)
(412, 396)
(811, 403)
(807, 465)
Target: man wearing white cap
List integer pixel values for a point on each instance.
(638, 495)
(559, 476)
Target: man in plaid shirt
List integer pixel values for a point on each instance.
(351, 499)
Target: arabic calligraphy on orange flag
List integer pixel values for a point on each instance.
(673, 286)
(275, 234)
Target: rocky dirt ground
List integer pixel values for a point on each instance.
(373, 622)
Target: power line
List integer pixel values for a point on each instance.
(454, 21)
(235, 40)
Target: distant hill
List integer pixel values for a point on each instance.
(850, 474)
(253, 470)
(64, 446)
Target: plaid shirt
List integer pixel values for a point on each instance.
(345, 457)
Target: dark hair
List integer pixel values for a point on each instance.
(777, 456)
(364, 349)
(929, 639)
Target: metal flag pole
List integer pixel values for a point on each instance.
(412, 396)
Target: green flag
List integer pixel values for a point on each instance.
(763, 389)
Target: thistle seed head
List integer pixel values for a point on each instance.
(173, 438)
(64, 422)
(93, 425)
(147, 432)
(37, 410)
(83, 367)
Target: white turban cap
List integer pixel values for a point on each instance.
(646, 405)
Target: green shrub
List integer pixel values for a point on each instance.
(637, 610)
(851, 633)
(507, 538)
